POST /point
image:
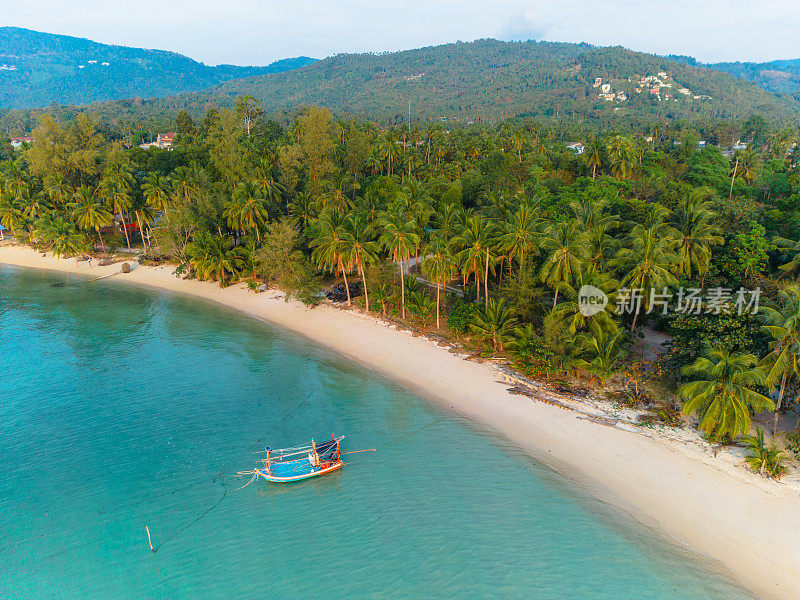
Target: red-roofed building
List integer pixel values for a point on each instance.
(16, 142)
(165, 140)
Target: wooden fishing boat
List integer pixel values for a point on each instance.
(301, 462)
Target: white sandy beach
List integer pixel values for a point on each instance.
(750, 524)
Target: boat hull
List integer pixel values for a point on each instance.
(300, 476)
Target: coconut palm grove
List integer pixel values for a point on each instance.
(482, 235)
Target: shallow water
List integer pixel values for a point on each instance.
(122, 407)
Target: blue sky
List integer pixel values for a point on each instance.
(261, 31)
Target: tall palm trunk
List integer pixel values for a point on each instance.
(402, 290)
(102, 245)
(364, 284)
(346, 286)
(778, 406)
(477, 280)
(141, 231)
(486, 281)
(125, 229)
(438, 288)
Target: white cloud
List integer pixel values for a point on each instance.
(259, 31)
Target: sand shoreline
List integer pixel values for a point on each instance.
(749, 524)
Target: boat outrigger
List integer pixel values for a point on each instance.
(300, 462)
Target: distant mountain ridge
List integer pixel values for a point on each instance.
(487, 81)
(37, 69)
(482, 81)
(780, 76)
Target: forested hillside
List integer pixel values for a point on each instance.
(483, 81)
(37, 69)
(782, 76)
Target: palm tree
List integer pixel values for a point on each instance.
(791, 254)
(565, 247)
(520, 236)
(116, 188)
(327, 244)
(183, 181)
(783, 326)
(763, 459)
(748, 165)
(517, 143)
(419, 303)
(358, 247)
(591, 213)
(88, 212)
(570, 313)
(622, 154)
(724, 393)
(600, 249)
(438, 266)
(382, 294)
(648, 263)
(156, 191)
(696, 234)
(495, 322)
(144, 214)
(214, 257)
(526, 343)
(269, 189)
(12, 217)
(59, 192)
(37, 205)
(399, 238)
(335, 195)
(303, 209)
(475, 244)
(448, 219)
(595, 153)
(604, 351)
(247, 210)
(60, 235)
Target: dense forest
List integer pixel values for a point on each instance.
(38, 69)
(781, 76)
(484, 235)
(485, 81)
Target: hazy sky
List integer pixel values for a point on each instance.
(260, 31)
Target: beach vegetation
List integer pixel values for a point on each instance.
(763, 459)
(723, 392)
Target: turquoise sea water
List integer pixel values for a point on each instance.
(122, 407)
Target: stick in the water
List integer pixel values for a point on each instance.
(149, 541)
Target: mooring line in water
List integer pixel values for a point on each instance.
(194, 522)
(287, 415)
(63, 532)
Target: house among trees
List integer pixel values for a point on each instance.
(576, 147)
(163, 141)
(16, 142)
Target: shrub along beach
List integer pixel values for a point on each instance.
(646, 283)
